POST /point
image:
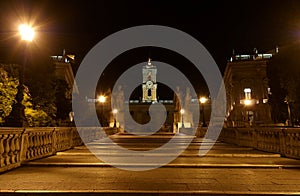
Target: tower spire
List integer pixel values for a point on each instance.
(149, 62)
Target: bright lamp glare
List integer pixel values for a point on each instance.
(101, 99)
(203, 99)
(248, 102)
(27, 32)
(115, 111)
(182, 111)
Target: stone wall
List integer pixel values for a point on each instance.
(285, 141)
(24, 144)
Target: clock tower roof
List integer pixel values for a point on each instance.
(149, 63)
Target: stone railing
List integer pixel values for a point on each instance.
(285, 141)
(24, 144)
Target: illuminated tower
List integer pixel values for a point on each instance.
(149, 82)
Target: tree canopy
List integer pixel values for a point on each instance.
(284, 75)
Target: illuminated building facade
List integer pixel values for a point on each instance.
(248, 90)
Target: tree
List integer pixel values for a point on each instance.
(63, 100)
(8, 91)
(34, 114)
(40, 78)
(35, 117)
(284, 72)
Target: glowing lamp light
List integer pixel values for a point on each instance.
(115, 111)
(203, 100)
(101, 99)
(26, 32)
(182, 111)
(247, 102)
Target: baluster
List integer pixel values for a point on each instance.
(298, 144)
(37, 144)
(31, 145)
(272, 145)
(42, 138)
(18, 148)
(54, 141)
(57, 135)
(44, 150)
(27, 152)
(294, 144)
(7, 149)
(12, 149)
(47, 142)
(288, 144)
(291, 144)
(2, 137)
(50, 144)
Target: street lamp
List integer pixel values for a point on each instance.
(115, 111)
(101, 99)
(248, 103)
(26, 32)
(17, 116)
(289, 122)
(182, 122)
(203, 100)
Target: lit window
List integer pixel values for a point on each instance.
(269, 91)
(265, 100)
(247, 92)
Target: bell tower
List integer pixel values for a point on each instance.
(149, 82)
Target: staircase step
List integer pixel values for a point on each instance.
(176, 165)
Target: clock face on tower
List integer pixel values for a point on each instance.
(149, 84)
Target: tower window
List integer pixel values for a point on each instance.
(149, 92)
(247, 92)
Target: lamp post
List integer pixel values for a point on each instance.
(203, 100)
(101, 99)
(182, 122)
(115, 111)
(17, 116)
(289, 111)
(247, 103)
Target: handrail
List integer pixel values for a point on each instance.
(25, 144)
(285, 141)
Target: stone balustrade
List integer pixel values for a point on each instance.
(24, 144)
(285, 141)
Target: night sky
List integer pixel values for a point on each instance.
(220, 26)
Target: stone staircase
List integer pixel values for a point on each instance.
(110, 170)
(185, 151)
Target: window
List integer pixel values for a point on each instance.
(247, 92)
(269, 91)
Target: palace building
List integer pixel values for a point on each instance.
(139, 108)
(248, 90)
